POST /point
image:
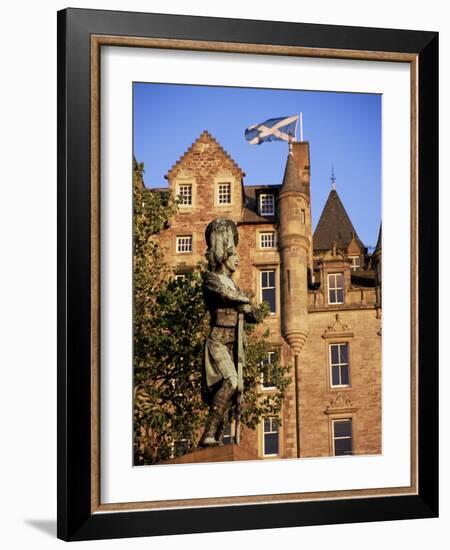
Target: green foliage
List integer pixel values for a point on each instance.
(170, 327)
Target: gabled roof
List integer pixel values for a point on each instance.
(334, 226)
(205, 138)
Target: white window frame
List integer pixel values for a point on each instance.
(353, 265)
(264, 433)
(349, 419)
(180, 276)
(274, 240)
(270, 212)
(330, 288)
(261, 288)
(179, 244)
(270, 354)
(219, 184)
(339, 364)
(183, 196)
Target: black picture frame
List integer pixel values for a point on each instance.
(76, 521)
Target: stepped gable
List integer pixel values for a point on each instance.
(204, 140)
(334, 226)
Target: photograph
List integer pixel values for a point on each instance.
(257, 274)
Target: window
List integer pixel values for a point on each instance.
(266, 204)
(184, 244)
(268, 289)
(180, 276)
(270, 436)
(267, 239)
(342, 437)
(356, 262)
(339, 364)
(270, 360)
(185, 194)
(335, 288)
(224, 193)
(302, 216)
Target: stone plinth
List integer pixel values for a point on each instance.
(226, 453)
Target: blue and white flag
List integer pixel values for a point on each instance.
(274, 129)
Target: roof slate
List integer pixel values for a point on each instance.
(334, 226)
(251, 213)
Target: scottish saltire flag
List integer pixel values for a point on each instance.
(274, 129)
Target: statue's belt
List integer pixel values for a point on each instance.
(224, 335)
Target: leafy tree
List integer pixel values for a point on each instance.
(170, 327)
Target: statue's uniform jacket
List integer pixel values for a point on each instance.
(222, 299)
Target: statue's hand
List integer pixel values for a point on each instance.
(244, 308)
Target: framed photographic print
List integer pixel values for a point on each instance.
(247, 274)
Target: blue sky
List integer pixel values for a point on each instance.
(343, 130)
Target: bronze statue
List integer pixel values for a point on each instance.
(225, 345)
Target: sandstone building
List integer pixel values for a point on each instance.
(324, 292)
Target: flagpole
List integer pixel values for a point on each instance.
(301, 126)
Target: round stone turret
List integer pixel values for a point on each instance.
(294, 241)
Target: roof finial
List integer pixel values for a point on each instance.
(333, 178)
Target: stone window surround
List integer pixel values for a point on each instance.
(177, 237)
(220, 180)
(266, 232)
(187, 181)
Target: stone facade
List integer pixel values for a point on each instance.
(326, 301)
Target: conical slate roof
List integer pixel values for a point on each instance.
(334, 226)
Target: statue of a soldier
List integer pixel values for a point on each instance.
(225, 345)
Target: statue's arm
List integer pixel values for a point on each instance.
(213, 284)
(251, 314)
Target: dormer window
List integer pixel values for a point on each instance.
(335, 288)
(355, 262)
(267, 204)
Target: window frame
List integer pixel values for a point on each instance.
(271, 418)
(177, 242)
(191, 195)
(267, 270)
(260, 205)
(339, 365)
(230, 186)
(263, 387)
(336, 288)
(354, 267)
(351, 437)
(269, 232)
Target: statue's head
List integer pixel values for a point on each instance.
(222, 238)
